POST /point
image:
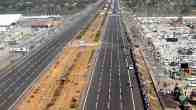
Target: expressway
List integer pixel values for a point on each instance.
(113, 86)
(15, 80)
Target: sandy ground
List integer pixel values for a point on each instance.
(61, 86)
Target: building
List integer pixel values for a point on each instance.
(8, 20)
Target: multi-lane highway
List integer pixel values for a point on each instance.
(113, 86)
(15, 80)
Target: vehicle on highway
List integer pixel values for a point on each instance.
(130, 67)
(22, 49)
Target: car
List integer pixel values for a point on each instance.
(130, 67)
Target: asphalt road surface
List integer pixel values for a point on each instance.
(15, 80)
(113, 86)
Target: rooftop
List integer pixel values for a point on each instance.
(8, 19)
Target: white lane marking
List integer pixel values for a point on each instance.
(108, 105)
(98, 95)
(110, 73)
(100, 80)
(132, 93)
(118, 4)
(14, 82)
(96, 105)
(19, 87)
(13, 75)
(88, 89)
(121, 105)
(132, 97)
(15, 90)
(129, 78)
(120, 95)
(90, 83)
(9, 80)
(119, 72)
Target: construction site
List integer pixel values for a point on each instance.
(172, 45)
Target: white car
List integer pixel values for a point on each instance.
(130, 67)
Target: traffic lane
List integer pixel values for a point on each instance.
(104, 87)
(115, 86)
(137, 93)
(138, 99)
(18, 75)
(115, 74)
(126, 92)
(102, 103)
(95, 89)
(136, 102)
(23, 80)
(101, 60)
(102, 82)
(15, 92)
(103, 99)
(5, 81)
(94, 92)
(115, 7)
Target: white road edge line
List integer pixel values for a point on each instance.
(129, 78)
(102, 39)
(88, 89)
(131, 89)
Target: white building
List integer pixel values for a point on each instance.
(7, 20)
